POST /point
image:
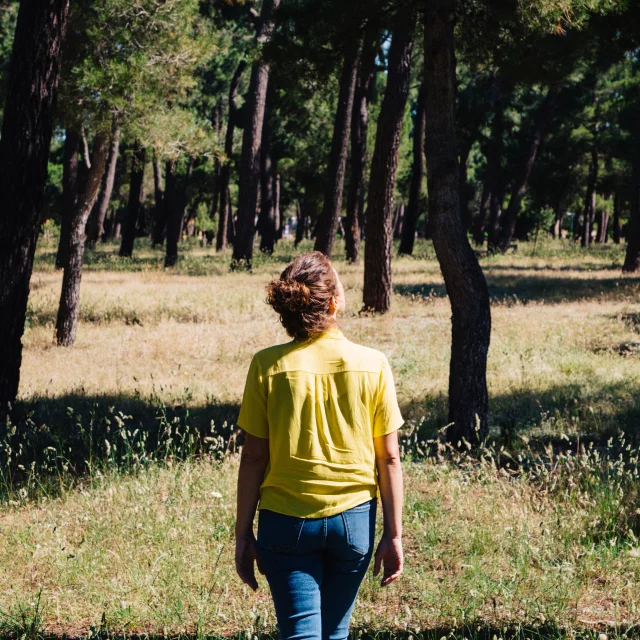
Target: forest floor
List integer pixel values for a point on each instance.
(117, 489)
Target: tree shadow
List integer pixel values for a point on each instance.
(509, 289)
(559, 416)
(77, 433)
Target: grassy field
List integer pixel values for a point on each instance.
(117, 471)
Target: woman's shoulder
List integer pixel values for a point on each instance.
(270, 356)
(369, 357)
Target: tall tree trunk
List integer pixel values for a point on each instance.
(494, 162)
(217, 127)
(359, 130)
(96, 228)
(590, 198)
(225, 170)
(463, 277)
(301, 223)
(524, 171)
(267, 221)
(176, 218)
(478, 228)
(277, 211)
(465, 213)
(134, 204)
(157, 197)
(27, 126)
(376, 294)
(69, 192)
(251, 145)
(327, 224)
(632, 258)
(418, 170)
(617, 229)
(69, 308)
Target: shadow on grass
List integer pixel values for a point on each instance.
(69, 436)
(75, 434)
(537, 419)
(505, 289)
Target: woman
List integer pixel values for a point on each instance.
(321, 417)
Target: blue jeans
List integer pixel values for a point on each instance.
(314, 567)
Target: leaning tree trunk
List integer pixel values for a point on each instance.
(134, 204)
(176, 217)
(376, 294)
(97, 226)
(359, 130)
(463, 277)
(632, 258)
(69, 192)
(524, 171)
(418, 170)
(327, 224)
(27, 126)
(251, 146)
(69, 308)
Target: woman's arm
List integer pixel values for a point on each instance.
(389, 552)
(253, 463)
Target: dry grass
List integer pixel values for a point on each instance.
(154, 553)
(150, 550)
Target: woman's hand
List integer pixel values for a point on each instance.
(389, 553)
(246, 554)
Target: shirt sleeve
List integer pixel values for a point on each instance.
(253, 411)
(387, 417)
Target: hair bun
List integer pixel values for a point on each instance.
(288, 295)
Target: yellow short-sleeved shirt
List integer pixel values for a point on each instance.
(320, 403)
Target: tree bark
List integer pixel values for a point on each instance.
(159, 223)
(134, 204)
(267, 221)
(524, 171)
(478, 228)
(225, 170)
(418, 170)
(464, 280)
(632, 258)
(359, 130)
(590, 198)
(69, 308)
(376, 294)
(327, 224)
(251, 146)
(97, 226)
(465, 213)
(217, 127)
(617, 229)
(27, 126)
(69, 192)
(176, 218)
(494, 163)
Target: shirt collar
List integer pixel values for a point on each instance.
(332, 333)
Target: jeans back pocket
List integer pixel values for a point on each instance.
(359, 524)
(277, 531)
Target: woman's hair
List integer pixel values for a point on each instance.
(302, 295)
